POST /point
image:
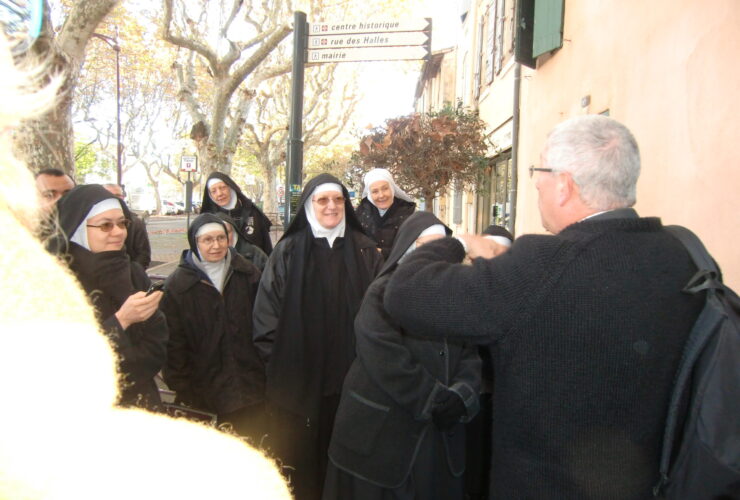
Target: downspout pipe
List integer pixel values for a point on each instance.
(515, 148)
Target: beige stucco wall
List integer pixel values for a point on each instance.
(668, 70)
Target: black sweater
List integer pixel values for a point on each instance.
(588, 327)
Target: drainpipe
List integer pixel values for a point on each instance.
(515, 147)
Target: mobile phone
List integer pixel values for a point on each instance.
(159, 285)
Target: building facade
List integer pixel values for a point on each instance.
(664, 69)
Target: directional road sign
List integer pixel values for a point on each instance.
(345, 27)
(368, 40)
(368, 54)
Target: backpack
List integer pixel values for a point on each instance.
(701, 460)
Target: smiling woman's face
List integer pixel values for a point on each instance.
(382, 194)
(102, 241)
(328, 207)
(220, 193)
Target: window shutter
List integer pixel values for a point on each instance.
(499, 57)
(548, 26)
(524, 23)
(490, 34)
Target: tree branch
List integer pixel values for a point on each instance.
(186, 43)
(255, 59)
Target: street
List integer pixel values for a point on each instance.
(168, 238)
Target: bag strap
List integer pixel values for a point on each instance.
(707, 278)
(708, 275)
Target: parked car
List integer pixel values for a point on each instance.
(168, 208)
(180, 207)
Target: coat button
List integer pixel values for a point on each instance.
(441, 353)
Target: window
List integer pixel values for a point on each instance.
(539, 29)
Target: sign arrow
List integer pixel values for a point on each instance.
(346, 27)
(367, 54)
(368, 40)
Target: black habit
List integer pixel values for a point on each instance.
(303, 328)
(109, 278)
(385, 443)
(253, 225)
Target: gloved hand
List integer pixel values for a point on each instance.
(448, 409)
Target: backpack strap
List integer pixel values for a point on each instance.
(707, 278)
(708, 274)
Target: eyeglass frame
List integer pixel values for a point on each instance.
(324, 201)
(209, 240)
(533, 169)
(121, 224)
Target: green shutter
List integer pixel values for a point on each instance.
(548, 26)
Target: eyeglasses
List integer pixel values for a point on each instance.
(107, 226)
(324, 200)
(533, 169)
(210, 240)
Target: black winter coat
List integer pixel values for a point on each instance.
(141, 348)
(383, 229)
(211, 361)
(137, 243)
(389, 393)
(587, 327)
(294, 379)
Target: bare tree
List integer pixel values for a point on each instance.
(328, 108)
(219, 121)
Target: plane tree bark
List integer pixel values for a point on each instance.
(48, 141)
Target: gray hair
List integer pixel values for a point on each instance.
(602, 156)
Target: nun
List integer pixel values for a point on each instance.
(239, 242)
(93, 224)
(398, 432)
(309, 294)
(221, 194)
(383, 208)
(212, 364)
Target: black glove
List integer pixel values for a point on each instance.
(448, 409)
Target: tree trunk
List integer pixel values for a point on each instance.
(270, 203)
(48, 141)
(428, 201)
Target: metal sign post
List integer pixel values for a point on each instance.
(294, 165)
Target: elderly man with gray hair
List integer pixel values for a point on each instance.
(587, 325)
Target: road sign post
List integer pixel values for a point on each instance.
(294, 164)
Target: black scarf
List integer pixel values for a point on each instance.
(105, 276)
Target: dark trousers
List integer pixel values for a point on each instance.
(478, 451)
